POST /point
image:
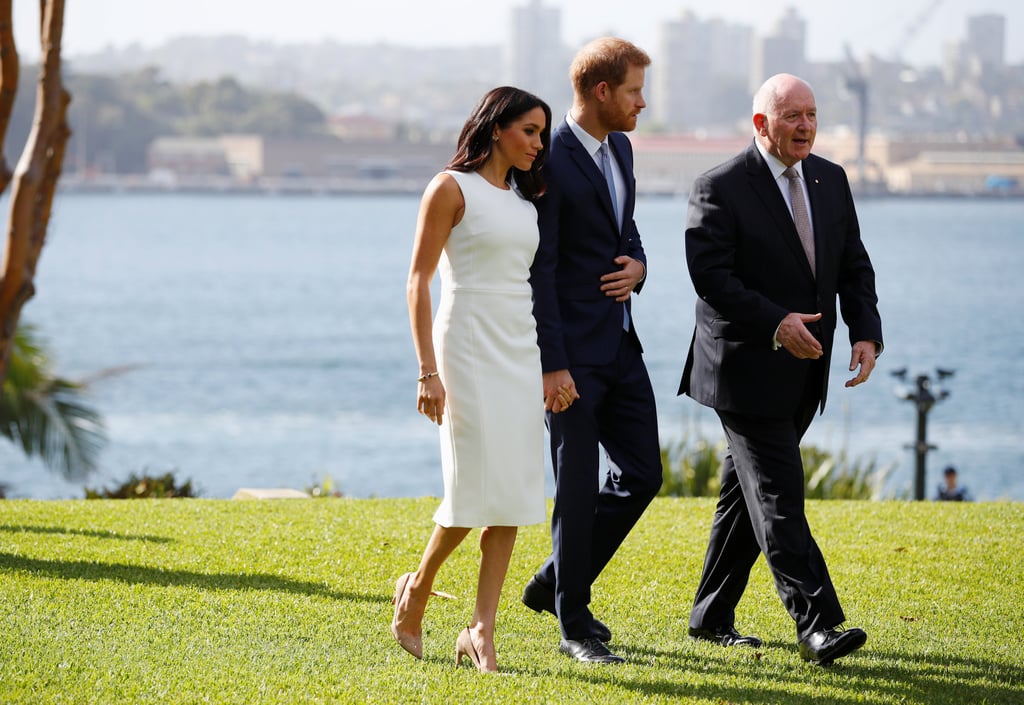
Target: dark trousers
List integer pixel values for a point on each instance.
(761, 510)
(590, 520)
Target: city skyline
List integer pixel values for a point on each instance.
(917, 31)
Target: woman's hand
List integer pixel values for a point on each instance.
(566, 396)
(431, 399)
(559, 391)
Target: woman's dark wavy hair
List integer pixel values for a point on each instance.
(502, 106)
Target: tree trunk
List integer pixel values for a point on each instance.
(9, 72)
(35, 178)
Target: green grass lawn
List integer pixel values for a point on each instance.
(288, 601)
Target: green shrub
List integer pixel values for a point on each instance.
(830, 476)
(325, 488)
(693, 468)
(691, 471)
(145, 487)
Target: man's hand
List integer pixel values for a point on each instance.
(559, 391)
(864, 352)
(795, 338)
(620, 283)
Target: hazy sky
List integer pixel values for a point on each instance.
(878, 26)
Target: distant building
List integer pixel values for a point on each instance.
(327, 162)
(960, 173)
(982, 54)
(930, 165)
(360, 128)
(986, 40)
(702, 73)
(664, 164)
(782, 51)
(668, 164)
(188, 156)
(976, 75)
(535, 58)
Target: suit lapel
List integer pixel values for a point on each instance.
(588, 168)
(767, 191)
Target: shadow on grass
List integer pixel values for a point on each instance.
(16, 529)
(712, 662)
(957, 679)
(146, 575)
(757, 692)
(932, 678)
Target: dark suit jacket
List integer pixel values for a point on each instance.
(749, 270)
(577, 324)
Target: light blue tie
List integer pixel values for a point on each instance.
(609, 177)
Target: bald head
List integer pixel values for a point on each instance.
(785, 117)
(775, 89)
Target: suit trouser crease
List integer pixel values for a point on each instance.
(761, 510)
(616, 410)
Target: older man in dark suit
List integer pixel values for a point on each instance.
(772, 240)
(589, 262)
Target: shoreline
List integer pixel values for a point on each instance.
(142, 184)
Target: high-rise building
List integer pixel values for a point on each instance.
(535, 59)
(701, 73)
(782, 51)
(976, 62)
(986, 40)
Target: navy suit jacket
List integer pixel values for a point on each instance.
(749, 270)
(577, 324)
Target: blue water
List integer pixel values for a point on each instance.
(268, 343)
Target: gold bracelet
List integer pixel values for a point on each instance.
(425, 377)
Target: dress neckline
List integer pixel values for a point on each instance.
(507, 186)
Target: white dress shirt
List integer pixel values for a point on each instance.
(592, 145)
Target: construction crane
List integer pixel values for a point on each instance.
(911, 29)
(857, 84)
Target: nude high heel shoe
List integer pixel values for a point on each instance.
(464, 647)
(410, 642)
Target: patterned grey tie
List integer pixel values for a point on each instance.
(800, 216)
(606, 169)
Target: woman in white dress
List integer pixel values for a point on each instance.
(480, 375)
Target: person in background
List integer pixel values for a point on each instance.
(772, 240)
(950, 490)
(589, 263)
(479, 364)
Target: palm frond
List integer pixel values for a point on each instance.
(47, 415)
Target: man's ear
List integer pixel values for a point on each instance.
(601, 91)
(760, 123)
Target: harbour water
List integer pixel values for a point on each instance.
(265, 340)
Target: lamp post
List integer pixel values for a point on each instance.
(924, 394)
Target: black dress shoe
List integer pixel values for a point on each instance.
(827, 645)
(726, 636)
(589, 651)
(540, 598)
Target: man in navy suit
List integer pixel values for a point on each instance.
(589, 262)
(772, 240)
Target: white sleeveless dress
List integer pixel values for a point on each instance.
(485, 338)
